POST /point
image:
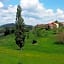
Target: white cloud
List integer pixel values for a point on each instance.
(26, 4)
(59, 11)
(1, 5)
(35, 10)
(8, 15)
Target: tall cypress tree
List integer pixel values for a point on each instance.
(20, 37)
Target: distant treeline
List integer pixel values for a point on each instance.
(10, 28)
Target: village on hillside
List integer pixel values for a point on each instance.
(51, 25)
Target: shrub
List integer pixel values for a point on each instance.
(34, 42)
(7, 31)
(60, 38)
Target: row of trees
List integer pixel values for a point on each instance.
(8, 31)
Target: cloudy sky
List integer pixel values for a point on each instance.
(34, 11)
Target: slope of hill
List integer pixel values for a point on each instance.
(8, 25)
(45, 52)
(13, 24)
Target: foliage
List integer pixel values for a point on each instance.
(27, 35)
(40, 32)
(58, 30)
(37, 32)
(28, 28)
(60, 38)
(7, 31)
(20, 37)
(56, 21)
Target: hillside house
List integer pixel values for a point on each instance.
(53, 25)
(49, 25)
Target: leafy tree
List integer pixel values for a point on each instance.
(56, 21)
(20, 36)
(7, 31)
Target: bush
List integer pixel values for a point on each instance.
(34, 42)
(12, 31)
(7, 31)
(60, 38)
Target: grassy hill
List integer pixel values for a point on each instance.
(44, 52)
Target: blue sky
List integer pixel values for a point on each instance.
(34, 11)
(10, 2)
(53, 4)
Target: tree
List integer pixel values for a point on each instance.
(19, 32)
(7, 31)
(56, 21)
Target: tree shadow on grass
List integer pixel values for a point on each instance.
(59, 43)
(20, 63)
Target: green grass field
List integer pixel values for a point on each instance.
(44, 52)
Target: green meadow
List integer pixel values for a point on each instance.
(43, 52)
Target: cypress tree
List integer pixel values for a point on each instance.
(20, 36)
